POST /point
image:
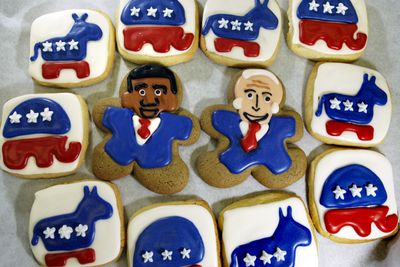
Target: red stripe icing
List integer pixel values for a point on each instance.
(51, 70)
(336, 128)
(84, 256)
(224, 45)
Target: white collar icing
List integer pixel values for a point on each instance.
(154, 124)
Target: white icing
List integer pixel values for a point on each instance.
(167, 255)
(347, 79)
(263, 222)
(46, 114)
(250, 260)
(32, 116)
(58, 24)
(198, 215)
(65, 232)
(148, 256)
(15, 118)
(267, 39)
(72, 106)
(185, 253)
(266, 257)
(248, 73)
(339, 192)
(280, 254)
(147, 49)
(244, 127)
(376, 162)
(81, 230)
(64, 198)
(154, 123)
(320, 46)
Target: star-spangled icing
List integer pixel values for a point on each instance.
(236, 25)
(81, 230)
(223, 23)
(362, 107)
(65, 232)
(314, 6)
(135, 11)
(280, 254)
(168, 13)
(47, 47)
(250, 260)
(148, 256)
(49, 232)
(348, 105)
(335, 103)
(248, 26)
(185, 253)
(266, 257)
(15, 118)
(46, 114)
(341, 9)
(370, 188)
(339, 192)
(73, 45)
(328, 8)
(32, 116)
(151, 12)
(167, 255)
(60, 45)
(355, 191)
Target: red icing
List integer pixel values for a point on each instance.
(161, 38)
(360, 219)
(144, 131)
(250, 49)
(17, 152)
(334, 34)
(84, 256)
(336, 128)
(249, 142)
(51, 70)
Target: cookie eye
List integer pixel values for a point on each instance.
(267, 99)
(157, 92)
(142, 92)
(249, 95)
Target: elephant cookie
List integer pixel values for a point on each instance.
(241, 33)
(144, 129)
(277, 232)
(252, 135)
(71, 48)
(157, 31)
(334, 30)
(351, 195)
(44, 135)
(77, 224)
(172, 234)
(347, 105)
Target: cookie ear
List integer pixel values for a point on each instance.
(275, 108)
(237, 103)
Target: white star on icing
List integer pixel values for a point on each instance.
(135, 11)
(47, 47)
(348, 105)
(248, 26)
(223, 23)
(250, 260)
(15, 117)
(371, 190)
(81, 230)
(280, 254)
(73, 45)
(60, 46)
(335, 103)
(266, 258)
(236, 25)
(46, 114)
(185, 253)
(341, 9)
(328, 8)
(314, 6)
(167, 255)
(65, 232)
(151, 12)
(167, 12)
(148, 256)
(32, 116)
(355, 191)
(49, 232)
(362, 107)
(339, 192)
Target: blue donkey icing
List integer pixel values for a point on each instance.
(72, 46)
(258, 17)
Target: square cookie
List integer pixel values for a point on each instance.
(44, 135)
(328, 30)
(277, 232)
(77, 224)
(347, 105)
(71, 48)
(241, 32)
(173, 234)
(351, 195)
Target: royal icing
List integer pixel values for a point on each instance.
(242, 30)
(81, 227)
(70, 46)
(354, 195)
(351, 104)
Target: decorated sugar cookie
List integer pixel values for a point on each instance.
(174, 234)
(328, 30)
(241, 32)
(161, 31)
(44, 135)
(347, 105)
(145, 128)
(84, 228)
(351, 195)
(252, 135)
(71, 48)
(277, 232)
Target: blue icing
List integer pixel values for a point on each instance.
(345, 177)
(260, 17)
(173, 234)
(305, 11)
(59, 124)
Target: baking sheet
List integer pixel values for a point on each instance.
(205, 84)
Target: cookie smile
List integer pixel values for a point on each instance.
(254, 118)
(148, 113)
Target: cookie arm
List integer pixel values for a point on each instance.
(195, 133)
(206, 120)
(99, 109)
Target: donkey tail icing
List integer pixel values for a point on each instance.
(207, 26)
(35, 52)
(35, 239)
(234, 262)
(318, 112)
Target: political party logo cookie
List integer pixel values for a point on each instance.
(44, 135)
(347, 105)
(71, 48)
(85, 228)
(351, 195)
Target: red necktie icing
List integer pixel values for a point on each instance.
(144, 131)
(249, 142)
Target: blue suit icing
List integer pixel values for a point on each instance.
(304, 12)
(271, 151)
(157, 151)
(173, 234)
(59, 124)
(345, 177)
